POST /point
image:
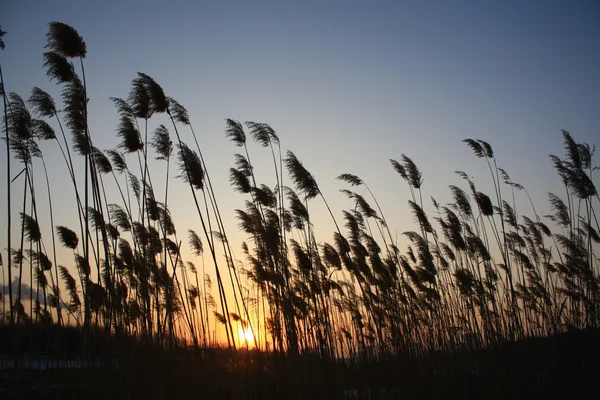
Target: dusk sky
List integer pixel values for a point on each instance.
(347, 85)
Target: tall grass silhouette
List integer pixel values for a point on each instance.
(476, 273)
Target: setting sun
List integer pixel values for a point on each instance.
(246, 335)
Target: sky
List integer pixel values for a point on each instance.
(347, 85)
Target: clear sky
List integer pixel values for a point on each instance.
(347, 85)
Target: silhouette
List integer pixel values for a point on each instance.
(479, 299)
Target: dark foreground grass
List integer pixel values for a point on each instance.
(557, 366)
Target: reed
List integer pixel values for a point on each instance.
(476, 274)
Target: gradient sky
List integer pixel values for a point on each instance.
(347, 85)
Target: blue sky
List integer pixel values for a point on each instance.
(347, 85)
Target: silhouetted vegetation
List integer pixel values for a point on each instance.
(483, 301)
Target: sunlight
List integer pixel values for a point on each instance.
(246, 335)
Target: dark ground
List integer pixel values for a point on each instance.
(562, 366)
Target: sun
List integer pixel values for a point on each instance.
(246, 335)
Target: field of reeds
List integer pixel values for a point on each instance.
(480, 299)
